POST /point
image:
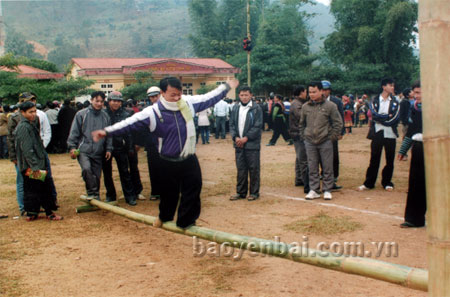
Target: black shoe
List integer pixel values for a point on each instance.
(237, 197)
(409, 225)
(290, 142)
(270, 144)
(110, 199)
(253, 197)
(131, 202)
(335, 188)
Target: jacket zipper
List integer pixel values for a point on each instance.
(178, 128)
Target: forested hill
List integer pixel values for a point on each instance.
(118, 28)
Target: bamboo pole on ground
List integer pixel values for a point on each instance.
(434, 30)
(398, 274)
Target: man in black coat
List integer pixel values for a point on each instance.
(65, 118)
(327, 94)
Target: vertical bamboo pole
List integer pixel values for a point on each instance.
(249, 72)
(434, 29)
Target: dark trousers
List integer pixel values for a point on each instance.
(279, 128)
(335, 159)
(37, 194)
(134, 172)
(376, 147)
(50, 177)
(91, 170)
(248, 164)
(301, 164)
(124, 174)
(220, 127)
(416, 203)
(183, 177)
(3, 147)
(54, 141)
(154, 169)
(204, 131)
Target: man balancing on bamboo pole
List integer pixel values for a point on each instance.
(172, 121)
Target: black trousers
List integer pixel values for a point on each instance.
(124, 174)
(248, 164)
(37, 194)
(154, 169)
(335, 158)
(416, 203)
(134, 172)
(183, 178)
(376, 147)
(91, 170)
(279, 128)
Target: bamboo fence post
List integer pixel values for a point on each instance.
(413, 278)
(434, 29)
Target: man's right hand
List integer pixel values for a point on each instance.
(400, 157)
(14, 161)
(98, 134)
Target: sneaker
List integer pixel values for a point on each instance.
(237, 197)
(409, 225)
(363, 188)
(141, 197)
(87, 197)
(312, 195)
(154, 197)
(157, 223)
(389, 188)
(327, 195)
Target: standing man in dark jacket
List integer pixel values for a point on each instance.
(246, 121)
(91, 153)
(122, 148)
(327, 94)
(301, 160)
(385, 111)
(65, 119)
(320, 123)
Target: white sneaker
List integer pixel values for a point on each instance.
(327, 195)
(312, 195)
(389, 188)
(363, 188)
(141, 197)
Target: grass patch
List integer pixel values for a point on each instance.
(323, 224)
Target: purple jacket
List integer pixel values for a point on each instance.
(168, 126)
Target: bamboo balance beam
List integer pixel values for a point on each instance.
(413, 278)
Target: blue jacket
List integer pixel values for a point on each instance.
(168, 126)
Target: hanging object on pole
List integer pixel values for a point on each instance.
(247, 44)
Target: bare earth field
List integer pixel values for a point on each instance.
(102, 254)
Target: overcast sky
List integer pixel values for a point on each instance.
(326, 2)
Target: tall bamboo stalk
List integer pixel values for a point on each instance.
(249, 71)
(434, 30)
(398, 274)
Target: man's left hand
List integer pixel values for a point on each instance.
(108, 156)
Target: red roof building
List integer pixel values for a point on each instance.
(115, 73)
(25, 71)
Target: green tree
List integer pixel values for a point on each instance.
(139, 90)
(62, 55)
(373, 39)
(17, 44)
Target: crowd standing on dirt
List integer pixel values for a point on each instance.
(167, 124)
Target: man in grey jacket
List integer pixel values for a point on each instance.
(246, 122)
(320, 124)
(90, 153)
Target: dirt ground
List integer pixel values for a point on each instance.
(102, 254)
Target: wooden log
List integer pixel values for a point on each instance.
(414, 278)
(88, 207)
(434, 30)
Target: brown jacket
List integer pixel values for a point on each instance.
(294, 117)
(3, 124)
(320, 121)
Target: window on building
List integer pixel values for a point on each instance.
(110, 86)
(220, 83)
(185, 92)
(190, 92)
(103, 86)
(202, 84)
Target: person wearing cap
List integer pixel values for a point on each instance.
(122, 147)
(91, 154)
(327, 94)
(385, 110)
(151, 146)
(45, 132)
(32, 158)
(171, 119)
